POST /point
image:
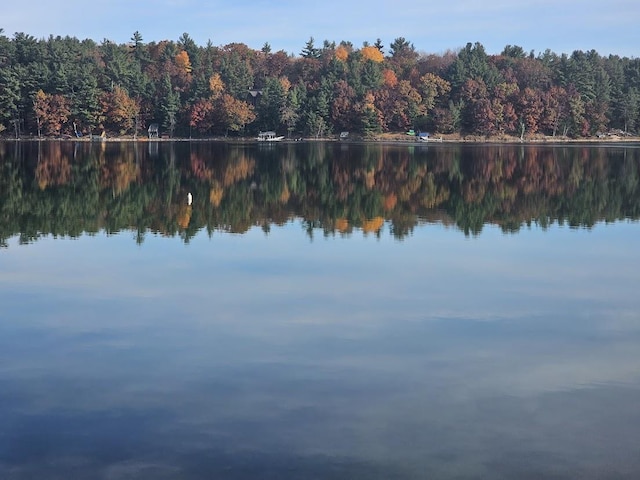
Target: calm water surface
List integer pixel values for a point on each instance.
(319, 311)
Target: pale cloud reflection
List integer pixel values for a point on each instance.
(362, 351)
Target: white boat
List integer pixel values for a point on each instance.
(269, 137)
(424, 137)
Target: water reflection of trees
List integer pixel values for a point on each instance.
(67, 189)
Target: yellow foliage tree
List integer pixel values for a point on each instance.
(433, 86)
(216, 85)
(286, 84)
(342, 53)
(235, 113)
(183, 62)
(372, 53)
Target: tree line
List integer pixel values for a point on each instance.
(66, 86)
(73, 188)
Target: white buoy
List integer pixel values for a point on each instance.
(189, 198)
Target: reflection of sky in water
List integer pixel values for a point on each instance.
(277, 356)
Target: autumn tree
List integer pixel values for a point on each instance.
(40, 109)
(372, 53)
(183, 63)
(531, 109)
(343, 107)
(234, 113)
(342, 53)
(51, 111)
(216, 86)
(201, 115)
(119, 110)
(433, 87)
(555, 109)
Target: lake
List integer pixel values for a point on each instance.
(319, 311)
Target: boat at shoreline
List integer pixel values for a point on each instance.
(424, 137)
(269, 137)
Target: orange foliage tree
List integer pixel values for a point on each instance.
(183, 62)
(201, 115)
(119, 109)
(342, 53)
(372, 53)
(235, 113)
(51, 111)
(389, 78)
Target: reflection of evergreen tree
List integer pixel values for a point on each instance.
(73, 188)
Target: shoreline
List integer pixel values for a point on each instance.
(387, 138)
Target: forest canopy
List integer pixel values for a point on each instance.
(63, 86)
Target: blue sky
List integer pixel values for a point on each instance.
(433, 27)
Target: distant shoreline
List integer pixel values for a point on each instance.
(386, 138)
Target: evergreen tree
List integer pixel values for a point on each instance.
(170, 105)
(271, 104)
(9, 96)
(236, 74)
(309, 50)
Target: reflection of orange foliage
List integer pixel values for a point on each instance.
(125, 173)
(390, 201)
(239, 170)
(53, 170)
(199, 168)
(410, 187)
(474, 191)
(184, 216)
(370, 179)
(284, 196)
(342, 224)
(215, 195)
(373, 225)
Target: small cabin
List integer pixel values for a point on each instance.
(154, 130)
